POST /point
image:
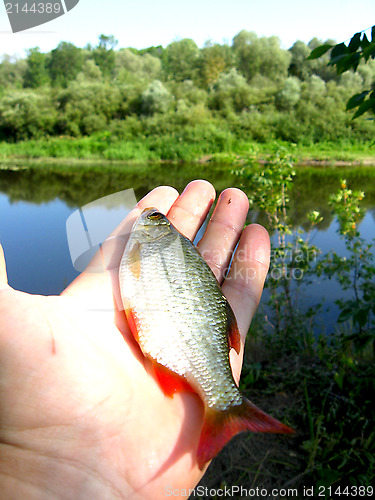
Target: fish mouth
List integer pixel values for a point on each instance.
(151, 213)
(153, 217)
(151, 225)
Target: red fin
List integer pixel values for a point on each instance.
(234, 337)
(220, 426)
(169, 381)
(132, 322)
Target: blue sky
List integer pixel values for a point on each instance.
(142, 23)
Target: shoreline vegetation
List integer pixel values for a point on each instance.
(97, 148)
(182, 103)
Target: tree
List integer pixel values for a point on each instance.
(12, 72)
(36, 73)
(181, 60)
(26, 113)
(153, 51)
(290, 94)
(298, 66)
(348, 57)
(231, 92)
(320, 67)
(107, 42)
(104, 55)
(214, 60)
(130, 66)
(156, 98)
(65, 63)
(87, 105)
(262, 56)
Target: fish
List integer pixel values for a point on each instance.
(184, 324)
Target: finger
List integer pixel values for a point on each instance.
(224, 230)
(191, 208)
(244, 284)
(3, 270)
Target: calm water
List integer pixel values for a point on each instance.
(36, 203)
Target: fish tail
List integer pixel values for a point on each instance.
(220, 426)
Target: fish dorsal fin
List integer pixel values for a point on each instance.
(234, 337)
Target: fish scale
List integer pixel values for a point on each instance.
(186, 297)
(185, 326)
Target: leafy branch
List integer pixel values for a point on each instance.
(347, 57)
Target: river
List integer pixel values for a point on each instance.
(36, 202)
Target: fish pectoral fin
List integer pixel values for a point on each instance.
(169, 381)
(234, 337)
(132, 322)
(220, 426)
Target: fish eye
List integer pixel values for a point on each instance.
(155, 216)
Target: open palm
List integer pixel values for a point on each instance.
(80, 415)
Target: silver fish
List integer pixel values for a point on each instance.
(185, 325)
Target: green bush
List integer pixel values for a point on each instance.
(27, 114)
(156, 98)
(86, 106)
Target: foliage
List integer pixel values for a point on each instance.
(356, 272)
(180, 60)
(262, 56)
(131, 67)
(26, 113)
(318, 383)
(156, 98)
(65, 63)
(12, 72)
(231, 92)
(348, 57)
(250, 90)
(327, 379)
(36, 72)
(290, 94)
(214, 60)
(104, 55)
(292, 257)
(86, 106)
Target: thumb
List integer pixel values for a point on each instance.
(3, 269)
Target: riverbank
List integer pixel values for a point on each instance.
(103, 147)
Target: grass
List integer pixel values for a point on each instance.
(223, 148)
(334, 441)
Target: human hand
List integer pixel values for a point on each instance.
(80, 416)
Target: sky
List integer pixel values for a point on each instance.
(143, 23)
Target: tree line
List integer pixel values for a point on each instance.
(252, 89)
